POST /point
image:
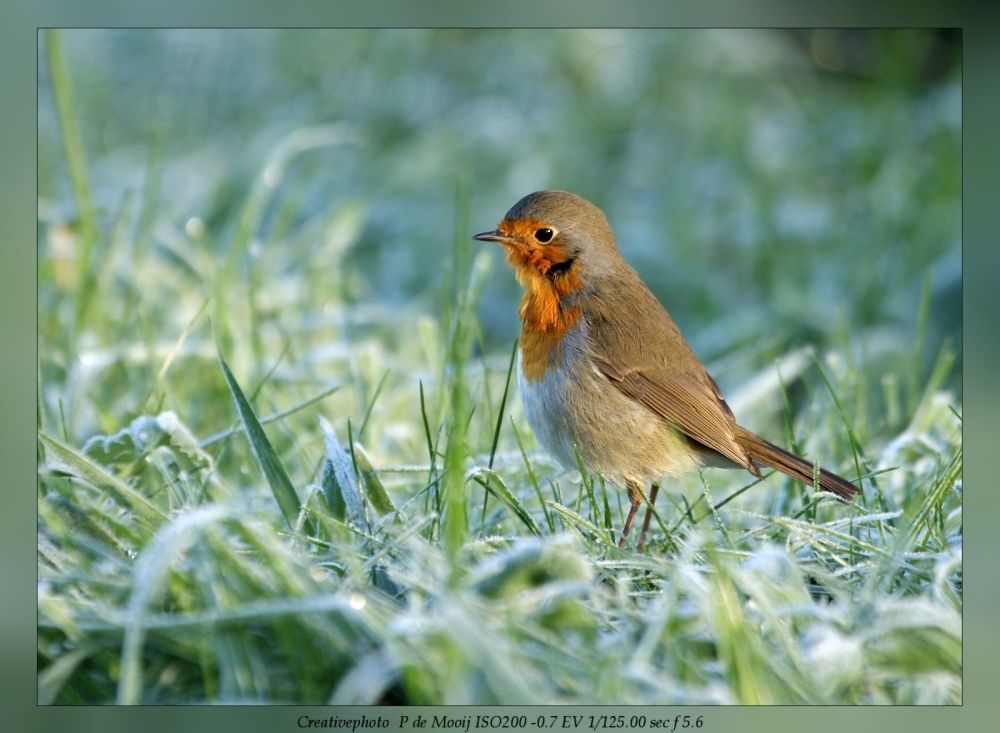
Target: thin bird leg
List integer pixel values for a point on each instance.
(649, 512)
(634, 496)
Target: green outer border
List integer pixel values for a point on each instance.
(981, 161)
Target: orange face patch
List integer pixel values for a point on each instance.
(545, 319)
(526, 254)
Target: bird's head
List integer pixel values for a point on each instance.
(557, 238)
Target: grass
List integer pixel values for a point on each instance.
(266, 478)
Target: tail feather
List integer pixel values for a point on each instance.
(761, 451)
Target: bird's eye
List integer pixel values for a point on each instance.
(544, 235)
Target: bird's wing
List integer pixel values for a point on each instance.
(688, 400)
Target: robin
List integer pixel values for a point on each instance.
(605, 371)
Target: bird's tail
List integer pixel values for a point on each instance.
(790, 464)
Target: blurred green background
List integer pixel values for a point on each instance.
(304, 199)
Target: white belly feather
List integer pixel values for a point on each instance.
(575, 407)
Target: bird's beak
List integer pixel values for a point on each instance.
(493, 236)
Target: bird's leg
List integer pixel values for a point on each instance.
(634, 496)
(649, 512)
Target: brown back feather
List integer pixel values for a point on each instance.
(647, 358)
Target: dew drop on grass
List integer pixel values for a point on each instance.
(194, 227)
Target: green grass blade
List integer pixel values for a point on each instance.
(588, 484)
(495, 485)
(375, 491)
(72, 140)
(271, 418)
(532, 478)
(60, 456)
(337, 478)
(856, 450)
(171, 540)
(935, 498)
(174, 351)
(503, 404)
(431, 452)
(267, 457)
(52, 678)
(499, 423)
(580, 523)
(371, 405)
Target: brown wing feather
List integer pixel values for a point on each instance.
(647, 358)
(637, 346)
(694, 407)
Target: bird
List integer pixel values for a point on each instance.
(605, 373)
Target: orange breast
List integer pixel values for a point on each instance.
(545, 323)
(545, 319)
